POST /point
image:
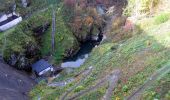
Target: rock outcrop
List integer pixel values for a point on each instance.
(25, 3)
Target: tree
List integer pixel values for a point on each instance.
(7, 6)
(70, 3)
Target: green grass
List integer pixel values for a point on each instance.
(159, 90)
(64, 38)
(161, 18)
(23, 35)
(35, 5)
(138, 58)
(151, 48)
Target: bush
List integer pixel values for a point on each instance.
(167, 96)
(125, 88)
(163, 17)
(140, 6)
(79, 88)
(21, 43)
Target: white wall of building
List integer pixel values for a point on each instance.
(46, 70)
(10, 24)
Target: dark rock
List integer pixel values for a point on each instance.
(23, 60)
(25, 3)
(41, 29)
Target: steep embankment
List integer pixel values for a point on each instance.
(141, 48)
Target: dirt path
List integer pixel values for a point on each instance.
(86, 74)
(53, 30)
(111, 78)
(158, 74)
(61, 84)
(14, 85)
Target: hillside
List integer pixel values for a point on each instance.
(131, 62)
(137, 51)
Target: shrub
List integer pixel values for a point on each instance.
(125, 88)
(167, 96)
(163, 17)
(79, 88)
(140, 6)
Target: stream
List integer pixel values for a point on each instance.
(85, 49)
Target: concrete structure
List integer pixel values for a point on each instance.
(9, 21)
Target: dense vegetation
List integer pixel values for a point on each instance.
(137, 44)
(34, 35)
(140, 49)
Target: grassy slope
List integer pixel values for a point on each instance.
(137, 58)
(160, 89)
(21, 35)
(64, 39)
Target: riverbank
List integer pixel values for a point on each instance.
(81, 56)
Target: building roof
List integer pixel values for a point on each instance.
(8, 20)
(41, 65)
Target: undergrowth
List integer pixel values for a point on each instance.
(138, 58)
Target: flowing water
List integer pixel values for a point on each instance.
(79, 59)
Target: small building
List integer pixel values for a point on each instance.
(8, 21)
(42, 67)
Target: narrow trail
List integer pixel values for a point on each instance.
(86, 74)
(67, 81)
(112, 85)
(93, 88)
(111, 78)
(53, 30)
(61, 84)
(158, 74)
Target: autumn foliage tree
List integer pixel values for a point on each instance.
(69, 3)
